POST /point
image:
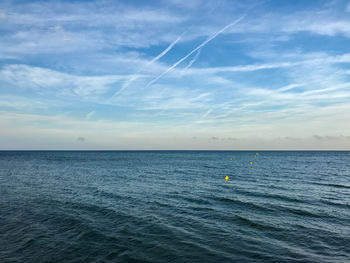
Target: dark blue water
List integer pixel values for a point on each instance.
(174, 207)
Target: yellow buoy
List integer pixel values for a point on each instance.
(227, 178)
(230, 159)
(251, 163)
(257, 154)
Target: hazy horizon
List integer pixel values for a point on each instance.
(174, 75)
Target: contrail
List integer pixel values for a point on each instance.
(192, 61)
(135, 76)
(197, 48)
(166, 50)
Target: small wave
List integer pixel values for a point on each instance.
(336, 204)
(180, 171)
(200, 201)
(200, 208)
(87, 211)
(302, 212)
(257, 225)
(334, 185)
(209, 166)
(271, 196)
(242, 203)
(108, 194)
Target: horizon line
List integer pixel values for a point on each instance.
(174, 150)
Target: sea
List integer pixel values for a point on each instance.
(174, 206)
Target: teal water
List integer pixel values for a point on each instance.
(174, 206)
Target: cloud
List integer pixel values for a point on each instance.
(331, 137)
(2, 14)
(291, 138)
(186, 4)
(320, 20)
(207, 113)
(44, 80)
(57, 132)
(81, 139)
(20, 103)
(302, 60)
(289, 87)
(175, 100)
(65, 35)
(229, 139)
(90, 114)
(245, 68)
(321, 27)
(33, 28)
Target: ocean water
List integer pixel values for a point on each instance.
(174, 206)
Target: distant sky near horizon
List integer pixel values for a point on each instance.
(175, 74)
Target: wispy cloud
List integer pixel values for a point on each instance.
(344, 58)
(43, 80)
(90, 114)
(331, 137)
(320, 26)
(246, 68)
(207, 113)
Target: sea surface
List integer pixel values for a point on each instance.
(174, 206)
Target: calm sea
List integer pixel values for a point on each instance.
(174, 206)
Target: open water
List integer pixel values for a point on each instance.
(174, 206)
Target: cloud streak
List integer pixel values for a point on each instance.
(43, 80)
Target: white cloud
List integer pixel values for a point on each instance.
(187, 4)
(246, 68)
(19, 103)
(321, 27)
(33, 28)
(320, 21)
(165, 98)
(2, 14)
(90, 114)
(42, 80)
(19, 130)
(207, 113)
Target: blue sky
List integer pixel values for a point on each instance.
(175, 74)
